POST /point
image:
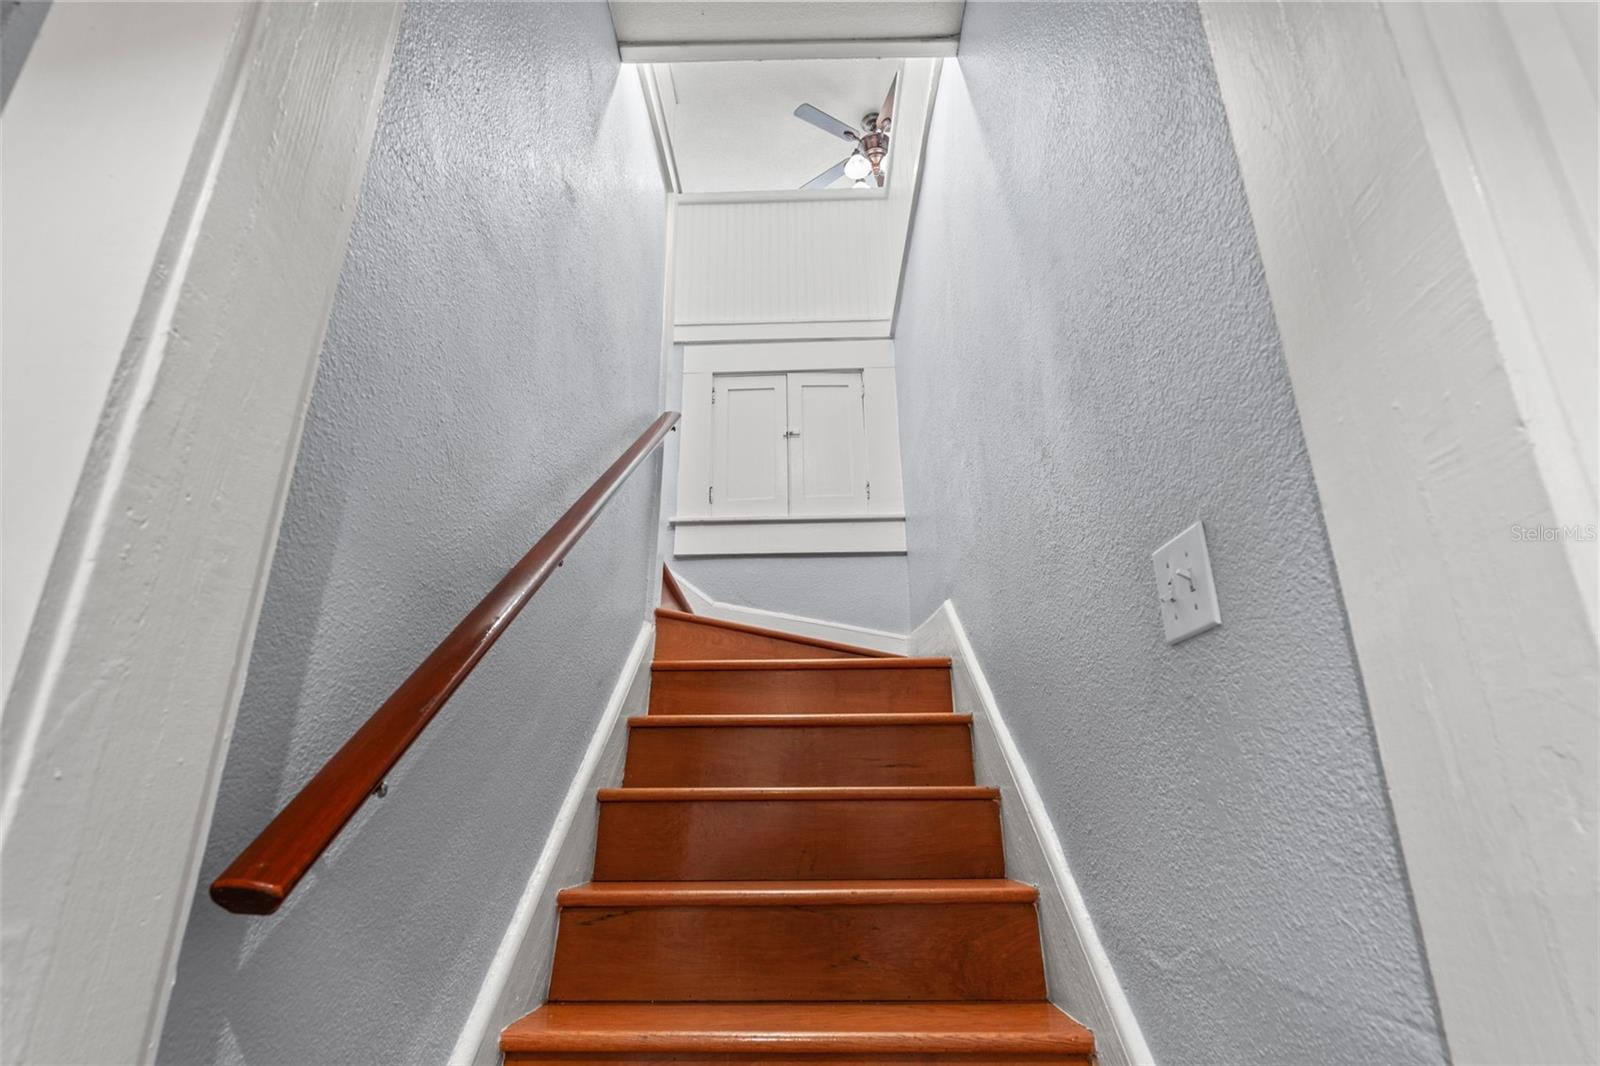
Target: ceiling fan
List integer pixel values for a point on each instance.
(871, 143)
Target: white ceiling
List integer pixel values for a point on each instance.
(675, 21)
(732, 126)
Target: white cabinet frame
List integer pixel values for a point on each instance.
(878, 526)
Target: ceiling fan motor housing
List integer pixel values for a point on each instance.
(875, 142)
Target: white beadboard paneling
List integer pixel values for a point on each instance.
(759, 268)
(805, 261)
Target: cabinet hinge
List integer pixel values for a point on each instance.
(708, 494)
(869, 490)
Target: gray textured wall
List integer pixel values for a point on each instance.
(1089, 362)
(494, 345)
(858, 590)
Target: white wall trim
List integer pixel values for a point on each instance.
(1502, 101)
(665, 155)
(916, 195)
(115, 725)
(812, 330)
(698, 531)
(779, 358)
(1079, 973)
(1477, 655)
(734, 520)
(722, 51)
(769, 196)
(519, 975)
(839, 632)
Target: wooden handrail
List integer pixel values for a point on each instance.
(266, 871)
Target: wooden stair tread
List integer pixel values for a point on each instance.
(798, 869)
(800, 686)
(804, 833)
(777, 636)
(635, 894)
(795, 750)
(797, 721)
(935, 663)
(814, 1028)
(853, 792)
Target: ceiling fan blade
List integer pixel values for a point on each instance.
(825, 122)
(888, 103)
(829, 176)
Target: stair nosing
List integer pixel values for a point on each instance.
(797, 721)
(786, 793)
(640, 895)
(913, 1034)
(672, 665)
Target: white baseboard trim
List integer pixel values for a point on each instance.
(839, 632)
(519, 975)
(1077, 970)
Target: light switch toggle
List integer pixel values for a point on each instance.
(1183, 582)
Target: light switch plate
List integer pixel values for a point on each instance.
(1188, 596)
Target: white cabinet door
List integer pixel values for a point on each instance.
(827, 444)
(750, 455)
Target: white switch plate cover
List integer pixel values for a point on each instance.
(1188, 598)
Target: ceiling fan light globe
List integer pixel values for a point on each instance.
(857, 168)
(860, 183)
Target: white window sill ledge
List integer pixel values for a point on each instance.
(878, 534)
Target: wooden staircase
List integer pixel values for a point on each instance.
(797, 869)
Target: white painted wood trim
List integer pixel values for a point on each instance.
(518, 977)
(694, 445)
(786, 195)
(175, 519)
(721, 332)
(700, 603)
(784, 357)
(915, 181)
(665, 155)
(722, 51)
(1477, 655)
(703, 363)
(828, 535)
(1078, 971)
(711, 520)
(1502, 101)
